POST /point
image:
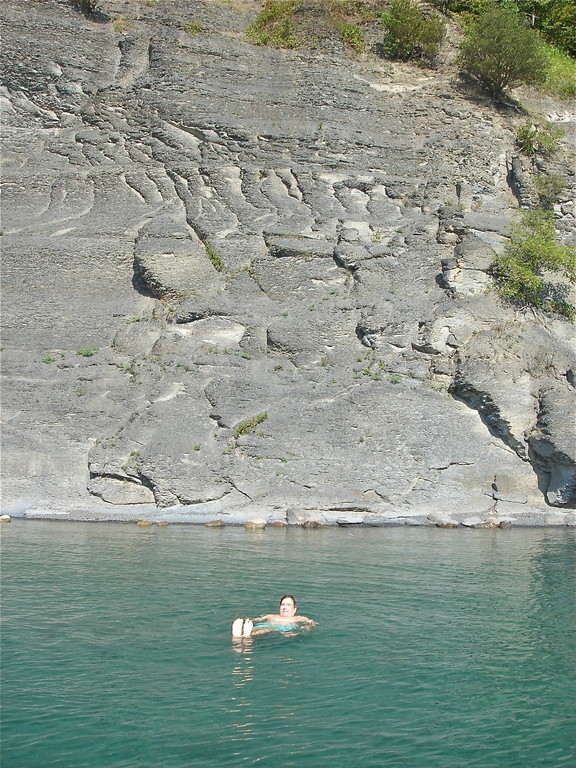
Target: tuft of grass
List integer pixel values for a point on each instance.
(215, 259)
(249, 425)
(87, 351)
(48, 359)
(120, 24)
(193, 27)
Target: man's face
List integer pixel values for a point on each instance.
(287, 608)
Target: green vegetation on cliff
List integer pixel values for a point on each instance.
(410, 33)
(273, 25)
(555, 19)
(533, 250)
(501, 51)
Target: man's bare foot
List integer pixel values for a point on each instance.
(248, 627)
(237, 627)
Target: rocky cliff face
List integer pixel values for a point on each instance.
(242, 280)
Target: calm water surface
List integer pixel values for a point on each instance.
(435, 648)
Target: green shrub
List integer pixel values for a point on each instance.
(410, 33)
(353, 37)
(273, 25)
(533, 248)
(500, 51)
(555, 19)
(535, 138)
(549, 186)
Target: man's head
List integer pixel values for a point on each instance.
(287, 606)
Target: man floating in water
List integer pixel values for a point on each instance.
(286, 620)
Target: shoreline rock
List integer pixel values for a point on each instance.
(312, 519)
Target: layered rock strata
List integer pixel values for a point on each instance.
(245, 282)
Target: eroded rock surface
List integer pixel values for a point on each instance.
(243, 282)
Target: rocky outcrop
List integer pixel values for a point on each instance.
(250, 283)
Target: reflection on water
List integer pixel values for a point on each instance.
(439, 648)
(243, 704)
(244, 670)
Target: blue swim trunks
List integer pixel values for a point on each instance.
(279, 627)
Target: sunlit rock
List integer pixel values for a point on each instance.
(256, 524)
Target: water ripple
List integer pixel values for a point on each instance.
(447, 649)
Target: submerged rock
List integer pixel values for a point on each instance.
(257, 524)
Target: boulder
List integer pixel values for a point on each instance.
(256, 524)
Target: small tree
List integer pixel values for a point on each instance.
(501, 51)
(410, 33)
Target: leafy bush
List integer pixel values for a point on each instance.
(353, 37)
(533, 138)
(555, 19)
(533, 248)
(500, 51)
(273, 25)
(410, 33)
(549, 186)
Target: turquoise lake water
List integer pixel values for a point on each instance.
(435, 648)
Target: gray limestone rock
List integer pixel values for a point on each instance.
(243, 280)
